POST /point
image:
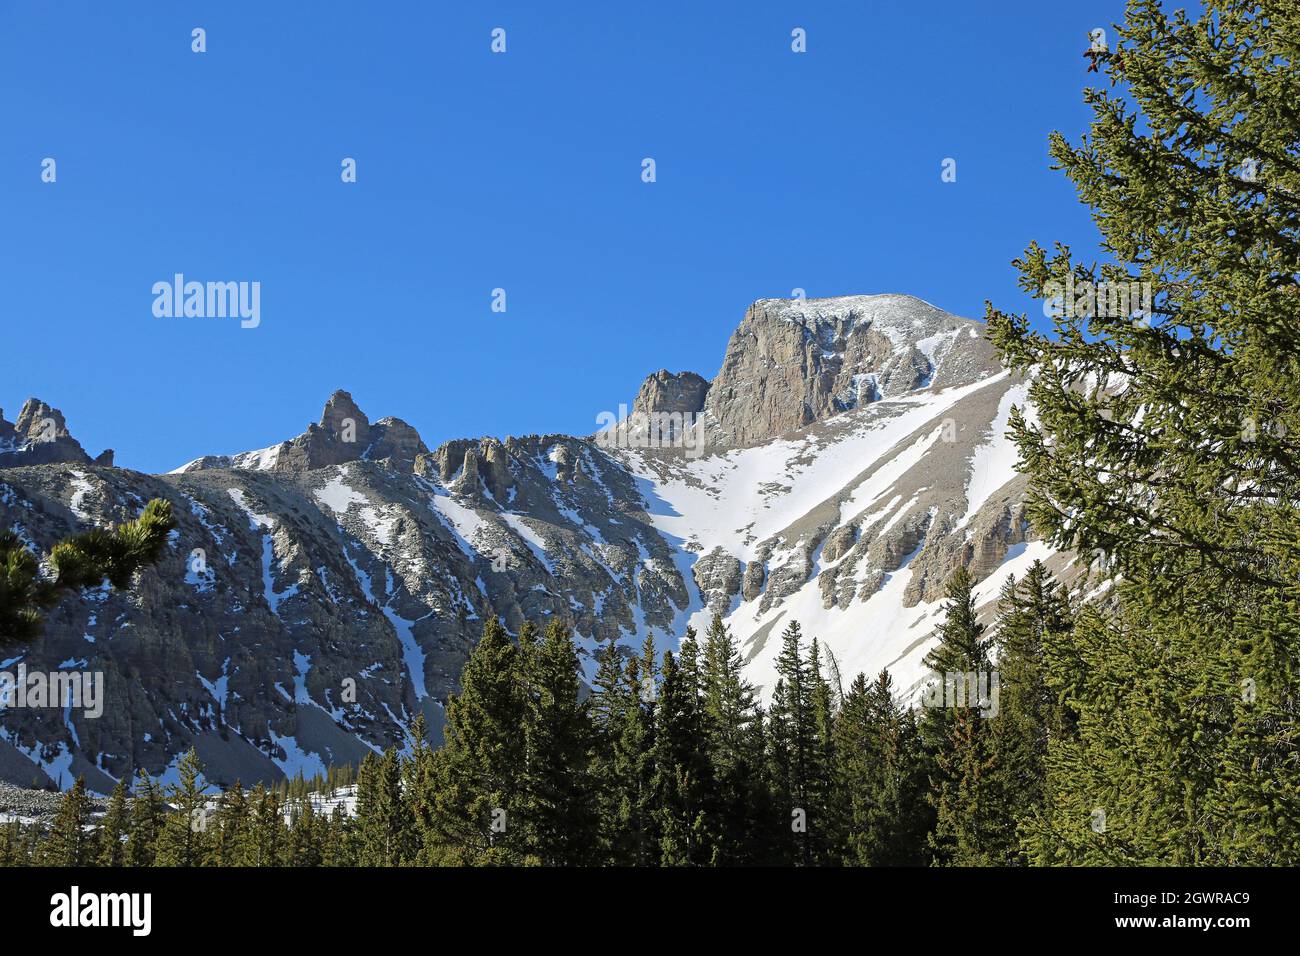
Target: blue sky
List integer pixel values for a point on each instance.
(475, 171)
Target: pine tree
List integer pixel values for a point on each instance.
(419, 783)
(111, 849)
(476, 774)
(623, 765)
(182, 838)
(13, 845)
(266, 838)
(883, 773)
(146, 822)
(862, 733)
(339, 844)
(383, 817)
(306, 835)
(800, 757)
(1167, 447)
(734, 751)
(1030, 612)
(558, 809)
(69, 841)
(77, 564)
(681, 772)
(826, 814)
(958, 737)
(905, 795)
(230, 830)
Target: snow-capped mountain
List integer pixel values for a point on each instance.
(320, 593)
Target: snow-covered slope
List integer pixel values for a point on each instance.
(321, 593)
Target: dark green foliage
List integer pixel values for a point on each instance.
(383, 818)
(800, 757)
(1167, 449)
(623, 766)
(69, 841)
(146, 822)
(958, 736)
(734, 749)
(880, 777)
(111, 850)
(681, 771)
(473, 806)
(182, 839)
(1032, 614)
(558, 812)
(231, 837)
(78, 563)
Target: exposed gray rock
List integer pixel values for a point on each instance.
(717, 575)
(839, 541)
(343, 434)
(666, 391)
(30, 804)
(791, 363)
(320, 594)
(755, 575)
(39, 437)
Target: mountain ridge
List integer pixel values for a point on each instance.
(353, 553)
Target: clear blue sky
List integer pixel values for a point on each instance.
(775, 170)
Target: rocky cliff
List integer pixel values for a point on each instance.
(320, 593)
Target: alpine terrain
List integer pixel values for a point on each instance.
(318, 594)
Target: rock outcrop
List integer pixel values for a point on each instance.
(794, 362)
(41, 437)
(343, 434)
(321, 593)
(664, 391)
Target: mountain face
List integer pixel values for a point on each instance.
(320, 593)
(40, 436)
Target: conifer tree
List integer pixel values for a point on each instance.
(266, 838)
(78, 563)
(111, 848)
(882, 772)
(734, 751)
(146, 822)
(558, 810)
(476, 774)
(864, 733)
(13, 845)
(681, 772)
(799, 718)
(182, 838)
(69, 841)
(339, 841)
(1030, 612)
(958, 737)
(419, 783)
(623, 765)
(1167, 446)
(826, 816)
(383, 819)
(307, 831)
(230, 826)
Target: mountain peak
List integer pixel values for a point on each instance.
(902, 318)
(665, 391)
(40, 437)
(340, 410)
(343, 434)
(792, 362)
